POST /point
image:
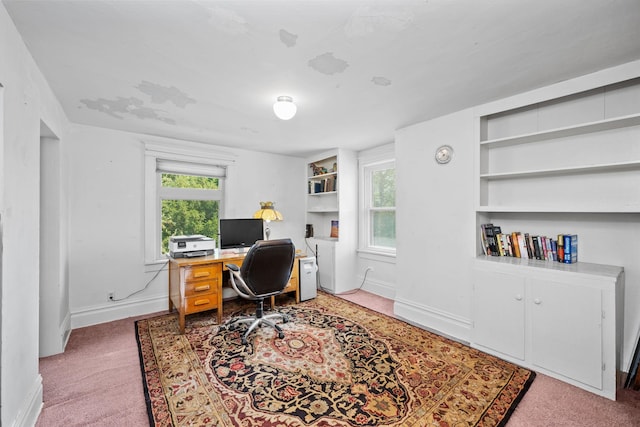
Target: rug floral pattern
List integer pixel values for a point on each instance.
(338, 365)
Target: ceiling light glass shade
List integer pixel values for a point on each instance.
(268, 213)
(284, 108)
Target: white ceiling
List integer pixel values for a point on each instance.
(210, 71)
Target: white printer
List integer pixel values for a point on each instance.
(194, 245)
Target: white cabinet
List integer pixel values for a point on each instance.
(564, 320)
(332, 202)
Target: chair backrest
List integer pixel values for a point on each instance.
(267, 266)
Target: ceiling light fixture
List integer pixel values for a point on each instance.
(284, 108)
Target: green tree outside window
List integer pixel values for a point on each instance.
(186, 217)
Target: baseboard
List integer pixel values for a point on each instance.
(438, 321)
(66, 330)
(383, 289)
(117, 310)
(29, 413)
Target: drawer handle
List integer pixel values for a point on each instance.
(537, 301)
(201, 302)
(201, 274)
(518, 297)
(202, 288)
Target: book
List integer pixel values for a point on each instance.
(560, 247)
(549, 251)
(515, 245)
(522, 246)
(529, 244)
(506, 242)
(500, 244)
(496, 230)
(536, 246)
(334, 229)
(486, 247)
(489, 234)
(570, 248)
(554, 250)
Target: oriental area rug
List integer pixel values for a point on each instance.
(339, 365)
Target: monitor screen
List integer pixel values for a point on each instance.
(240, 232)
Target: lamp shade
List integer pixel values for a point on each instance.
(284, 108)
(268, 213)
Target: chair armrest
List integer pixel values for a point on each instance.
(233, 267)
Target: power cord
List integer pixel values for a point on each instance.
(319, 285)
(353, 291)
(112, 298)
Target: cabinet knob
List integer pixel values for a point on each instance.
(518, 297)
(537, 301)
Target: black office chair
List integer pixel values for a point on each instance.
(265, 272)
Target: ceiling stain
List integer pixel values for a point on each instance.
(369, 19)
(161, 94)
(288, 39)
(120, 108)
(381, 81)
(226, 20)
(328, 64)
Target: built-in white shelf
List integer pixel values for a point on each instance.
(323, 210)
(605, 167)
(581, 129)
(322, 176)
(556, 209)
(322, 193)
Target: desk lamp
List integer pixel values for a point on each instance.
(268, 213)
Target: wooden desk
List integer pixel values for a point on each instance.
(195, 284)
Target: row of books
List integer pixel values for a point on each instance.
(323, 185)
(524, 245)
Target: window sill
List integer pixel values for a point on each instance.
(383, 256)
(155, 265)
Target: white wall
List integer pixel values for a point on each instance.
(26, 100)
(106, 217)
(435, 226)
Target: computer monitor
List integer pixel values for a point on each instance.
(240, 232)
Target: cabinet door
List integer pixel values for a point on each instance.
(326, 259)
(566, 330)
(498, 312)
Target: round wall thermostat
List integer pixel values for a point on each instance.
(444, 154)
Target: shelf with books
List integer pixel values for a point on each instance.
(331, 211)
(497, 242)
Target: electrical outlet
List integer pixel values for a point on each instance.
(111, 296)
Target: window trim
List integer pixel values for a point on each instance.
(379, 160)
(186, 157)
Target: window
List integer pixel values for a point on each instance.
(184, 194)
(189, 204)
(378, 230)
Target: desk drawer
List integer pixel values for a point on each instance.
(201, 272)
(201, 287)
(198, 303)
